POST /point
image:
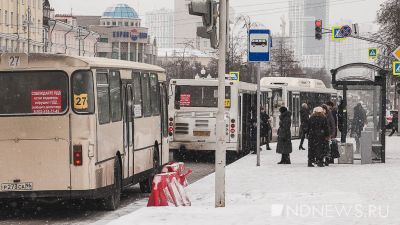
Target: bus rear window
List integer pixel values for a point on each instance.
(33, 93)
(82, 92)
(199, 96)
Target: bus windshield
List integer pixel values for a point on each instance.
(33, 92)
(199, 96)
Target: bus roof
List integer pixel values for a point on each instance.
(293, 82)
(214, 82)
(45, 60)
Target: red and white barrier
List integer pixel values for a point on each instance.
(168, 187)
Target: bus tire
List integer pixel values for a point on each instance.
(146, 184)
(180, 154)
(113, 201)
(156, 159)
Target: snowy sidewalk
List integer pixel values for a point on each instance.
(290, 194)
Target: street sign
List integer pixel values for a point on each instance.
(345, 31)
(373, 53)
(396, 68)
(337, 34)
(235, 76)
(396, 53)
(259, 45)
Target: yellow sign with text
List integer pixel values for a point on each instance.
(227, 103)
(81, 101)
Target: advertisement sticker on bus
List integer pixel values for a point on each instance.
(81, 101)
(185, 100)
(137, 110)
(46, 101)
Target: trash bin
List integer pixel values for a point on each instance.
(346, 151)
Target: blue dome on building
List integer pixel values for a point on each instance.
(120, 11)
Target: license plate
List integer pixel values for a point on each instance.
(201, 133)
(28, 186)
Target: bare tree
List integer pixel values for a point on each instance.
(283, 63)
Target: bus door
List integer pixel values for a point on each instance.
(128, 125)
(294, 107)
(164, 124)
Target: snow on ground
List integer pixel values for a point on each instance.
(290, 194)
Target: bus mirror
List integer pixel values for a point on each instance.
(177, 97)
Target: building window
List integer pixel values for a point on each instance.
(126, 24)
(114, 23)
(103, 40)
(120, 24)
(6, 17)
(108, 23)
(132, 24)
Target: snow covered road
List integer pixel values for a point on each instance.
(290, 194)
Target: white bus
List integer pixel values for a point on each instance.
(193, 106)
(292, 93)
(75, 127)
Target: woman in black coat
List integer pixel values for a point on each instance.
(304, 117)
(318, 137)
(284, 145)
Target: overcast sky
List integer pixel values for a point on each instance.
(267, 12)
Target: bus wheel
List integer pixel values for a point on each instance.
(156, 159)
(113, 201)
(145, 185)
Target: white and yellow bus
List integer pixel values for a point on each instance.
(80, 128)
(192, 115)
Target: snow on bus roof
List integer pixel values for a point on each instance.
(293, 82)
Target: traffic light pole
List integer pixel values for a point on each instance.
(220, 151)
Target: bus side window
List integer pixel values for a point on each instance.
(146, 95)
(103, 98)
(137, 95)
(155, 94)
(115, 96)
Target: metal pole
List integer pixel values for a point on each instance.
(258, 111)
(220, 151)
(29, 29)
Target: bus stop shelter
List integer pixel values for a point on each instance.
(364, 84)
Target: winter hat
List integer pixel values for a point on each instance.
(282, 109)
(318, 110)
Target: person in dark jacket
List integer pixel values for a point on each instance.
(265, 127)
(253, 129)
(359, 121)
(342, 117)
(331, 120)
(395, 124)
(284, 145)
(318, 137)
(334, 111)
(304, 117)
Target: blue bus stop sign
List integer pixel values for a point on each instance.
(259, 45)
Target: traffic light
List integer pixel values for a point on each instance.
(208, 10)
(398, 88)
(318, 29)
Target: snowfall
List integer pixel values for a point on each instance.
(289, 194)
